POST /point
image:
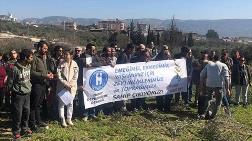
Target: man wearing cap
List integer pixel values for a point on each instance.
(164, 102)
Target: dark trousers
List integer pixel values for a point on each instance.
(5, 95)
(82, 111)
(107, 108)
(203, 103)
(37, 97)
(190, 92)
(184, 95)
(52, 102)
(164, 102)
(89, 112)
(81, 107)
(2, 95)
(139, 103)
(120, 106)
(20, 112)
(214, 103)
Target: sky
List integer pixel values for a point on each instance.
(129, 9)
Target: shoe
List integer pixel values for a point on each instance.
(35, 129)
(244, 105)
(63, 123)
(17, 136)
(127, 113)
(42, 124)
(69, 122)
(167, 110)
(227, 111)
(27, 132)
(93, 117)
(187, 107)
(209, 115)
(201, 116)
(135, 110)
(85, 118)
(236, 104)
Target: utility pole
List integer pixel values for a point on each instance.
(28, 32)
(64, 25)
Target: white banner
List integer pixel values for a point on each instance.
(135, 80)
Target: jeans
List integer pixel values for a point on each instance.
(214, 103)
(225, 100)
(241, 90)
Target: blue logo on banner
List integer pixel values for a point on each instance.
(98, 80)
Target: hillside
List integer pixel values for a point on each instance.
(225, 27)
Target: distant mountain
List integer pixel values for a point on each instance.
(226, 27)
(57, 20)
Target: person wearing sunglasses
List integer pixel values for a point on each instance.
(241, 81)
(77, 52)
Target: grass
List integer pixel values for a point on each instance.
(179, 125)
(154, 125)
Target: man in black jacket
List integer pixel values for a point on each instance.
(164, 102)
(124, 58)
(90, 59)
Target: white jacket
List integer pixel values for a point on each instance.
(67, 75)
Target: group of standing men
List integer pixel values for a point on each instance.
(33, 80)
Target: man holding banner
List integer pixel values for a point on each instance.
(164, 102)
(124, 58)
(136, 80)
(139, 103)
(90, 60)
(108, 60)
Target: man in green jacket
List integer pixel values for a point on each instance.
(39, 79)
(21, 89)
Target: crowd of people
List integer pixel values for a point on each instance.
(31, 79)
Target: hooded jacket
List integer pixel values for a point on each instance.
(20, 80)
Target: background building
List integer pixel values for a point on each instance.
(8, 17)
(116, 25)
(69, 25)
